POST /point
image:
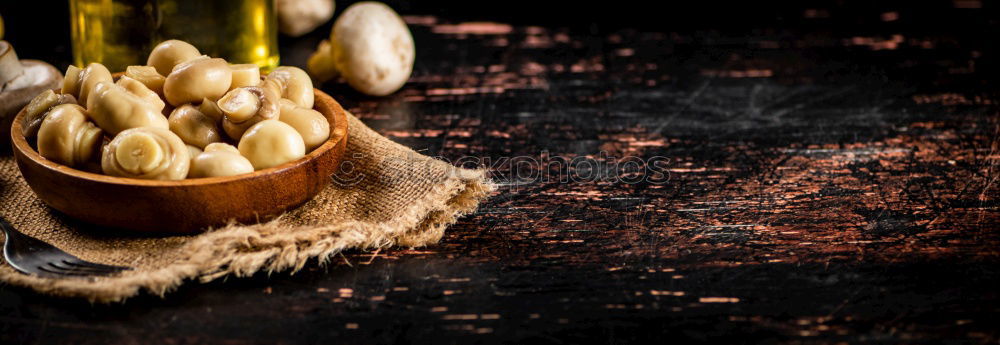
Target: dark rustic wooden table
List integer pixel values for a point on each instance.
(835, 180)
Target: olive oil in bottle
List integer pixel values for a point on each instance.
(119, 33)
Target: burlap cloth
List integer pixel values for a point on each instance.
(385, 195)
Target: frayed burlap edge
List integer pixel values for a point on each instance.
(243, 250)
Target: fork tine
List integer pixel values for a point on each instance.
(57, 272)
(54, 268)
(68, 267)
(87, 264)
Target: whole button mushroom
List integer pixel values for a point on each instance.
(372, 48)
(311, 124)
(194, 127)
(139, 89)
(146, 153)
(219, 160)
(115, 109)
(271, 143)
(168, 54)
(243, 107)
(292, 83)
(38, 109)
(66, 137)
(147, 76)
(192, 81)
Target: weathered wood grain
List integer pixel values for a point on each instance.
(824, 186)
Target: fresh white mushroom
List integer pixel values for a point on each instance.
(243, 107)
(115, 109)
(146, 153)
(311, 124)
(219, 159)
(193, 126)
(298, 17)
(148, 76)
(38, 109)
(372, 48)
(192, 81)
(168, 54)
(271, 143)
(20, 82)
(67, 137)
(247, 74)
(140, 90)
(292, 83)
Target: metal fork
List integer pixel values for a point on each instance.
(32, 256)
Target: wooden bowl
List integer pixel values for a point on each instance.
(184, 206)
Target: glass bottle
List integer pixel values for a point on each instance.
(119, 33)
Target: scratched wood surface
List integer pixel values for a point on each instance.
(798, 185)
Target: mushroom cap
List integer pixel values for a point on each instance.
(115, 109)
(243, 107)
(94, 74)
(311, 124)
(67, 137)
(38, 109)
(148, 76)
(271, 143)
(219, 163)
(192, 81)
(170, 53)
(193, 127)
(140, 90)
(146, 153)
(292, 83)
(372, 48)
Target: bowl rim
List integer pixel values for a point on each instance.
(338, 132)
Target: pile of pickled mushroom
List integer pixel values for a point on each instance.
(182, 115)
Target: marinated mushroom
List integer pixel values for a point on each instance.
(146, 153)
(140, 90)
(147, 76)
(311, 124)
(38, 109)
(67, 137)
(245, 75)
(192, 81)
(115, 109)
(221, 147)
(211, 109)
(193, 127)
(193, 151)
(81, 83)
(168, 54)
(292, 83)
(243, 107)
(270, 143)
(219, 160)
(71, 81)
(372, 48)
